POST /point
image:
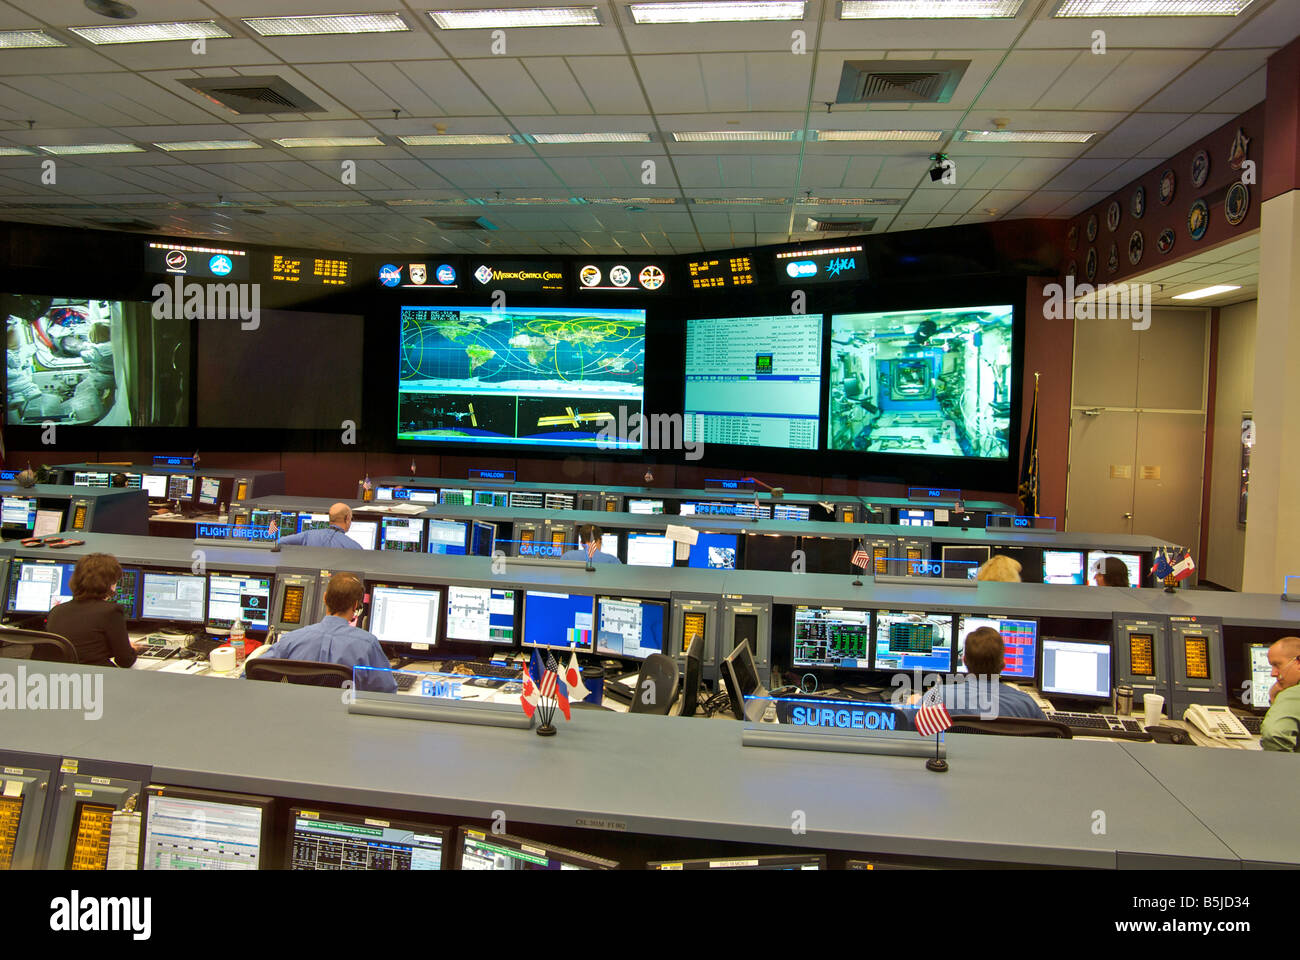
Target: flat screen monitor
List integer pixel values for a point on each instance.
(1260, 673)
(180, 486)
(483, 538)
(927, 382)
(405, 616)
(649, 550)
(558, 501)
(1132, 561)
(481, 615)
(790, 511)
(832, 638)
(209, 490)
(155, 485)
(908, 517)
(715, 551)
(635, 505)
(491, 498)
(133, 481)
(422, 495)
(36, 586)
(963, 563)
(173, 595)
(364, 533)
(521, 376)
(526, 500)
(741, 675)
(1078, 669)
(909, 640)
(17, 513)
(793, 861)
(1064, 566)
(313, 521)
(191, 829)
(127, 593)
(404, 534)
(284, 522)
(456, 497)
(629, 628)
(447, 537)
(90, 478)
(480, 850)
(1019, 639)
(47, 522)
(239, 596)
(754, 381)
(559, 620)
(324, 839)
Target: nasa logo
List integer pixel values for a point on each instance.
(176, 260)
(483, 274)
(390, 275)
(220, 265)
(446, 274)
(801, 268)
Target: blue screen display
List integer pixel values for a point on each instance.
(560, 620)
(715, 551)
(629, 627)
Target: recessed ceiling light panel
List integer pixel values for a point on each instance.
(500, 19)
(327, 25)
(151, 32)
(928, 9)
(722, 11)
(1206, 292)
(1151, 8)
(1025, 136)
(26, 39)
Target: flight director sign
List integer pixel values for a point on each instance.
(822, 265)
(205, 263)
(253, 536)
(519, 275)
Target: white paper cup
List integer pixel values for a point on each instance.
(1153, 704)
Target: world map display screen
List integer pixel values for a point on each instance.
(528, 376)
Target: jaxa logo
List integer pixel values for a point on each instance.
(834, 268)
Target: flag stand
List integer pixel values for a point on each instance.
(936, 764)
(546, 713)
(1169, 584)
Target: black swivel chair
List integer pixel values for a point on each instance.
(36, 645)
(1011, 727)
(656, 686)
(694, 673)
(307, 672)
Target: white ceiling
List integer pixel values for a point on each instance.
(1162, 84)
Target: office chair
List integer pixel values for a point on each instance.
(656, 683)
(308, 672)
(1011, 727)
(36, 645)
(694, 672)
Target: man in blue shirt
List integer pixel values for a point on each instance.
(335, 535)
(981, 691)
(335, 640)
(589, 537)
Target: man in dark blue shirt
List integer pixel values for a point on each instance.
(981, 691)
(335, 640)
(590, 536)
(335, 535)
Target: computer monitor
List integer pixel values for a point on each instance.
(239, 596)
(133, 481)
(1260, 673)
(715, 551)
(286, 521)
(190, 829)
(89, 478)
(915, 518)
(209, 490)
(1077, 669)
(127, 594)
(422, 495)
(47, 522)
(481, 615)
(559, 620)
(1019, 639)
(17, 513)
(405, 534)
(313, 521)
(1132, 561)
(962, 562)
(364, 533)
(559, 501)
(323, 839)
(526, 500)
(1064, 566)
(645, 506)
(173, 595)
(630, 628)
(776, 861)
(456, 498)
(832, 638)
(180, 486)
(910, 640)
(155, 485)
(405, 615)
(649, 550)
(790, 511)
(482, 538)
(491, 498)
(744, 688)
(36, 586)
(480, 850)
(447, 537)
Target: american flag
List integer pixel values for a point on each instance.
(547, 686)
(860, 558)
(553, 686)
(933, 716)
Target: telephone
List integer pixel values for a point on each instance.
(1216, 722)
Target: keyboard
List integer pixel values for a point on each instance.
(1252, 724)
(405, 681)
(1101, 725)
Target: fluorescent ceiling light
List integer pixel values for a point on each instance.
(330, 203)
(722, 11)
(733, 136)
(927, 9)
(920, 136)
(326, 25)
(612, 137)
(16, 152)
(178, 145)
(1151, 8)
(624, 201)
(151, 32)
(1207, 292)
(847, 201)
(457, 139)
(1025, 136)
(82, 149)
(739, 201)
(293, 143)
(515, 17)
(25, 39)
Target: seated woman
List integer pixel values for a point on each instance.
(91, 621)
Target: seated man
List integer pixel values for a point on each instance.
(589, 537)
(1280, 729)
(335, 535)
(985, 656)
(1109, 572)
(336, 640)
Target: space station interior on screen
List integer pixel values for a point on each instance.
(94, 362)
(930, 382)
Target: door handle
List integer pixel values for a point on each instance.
(1128, 516)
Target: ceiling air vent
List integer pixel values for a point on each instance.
(831, 225)
(245, 95)
(900, 81)
(461, 223)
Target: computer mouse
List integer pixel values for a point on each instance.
(1168, 734)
